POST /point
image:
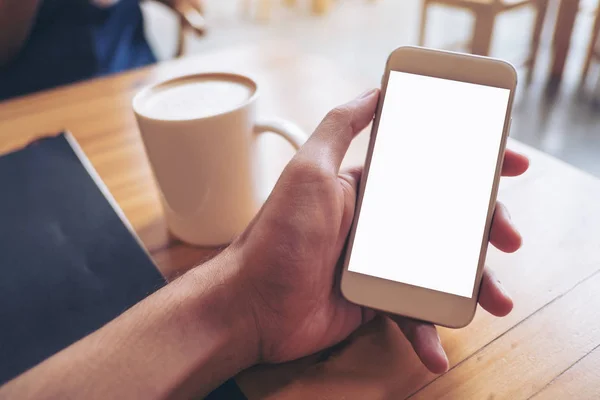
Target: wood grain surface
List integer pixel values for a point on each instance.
(548, 346)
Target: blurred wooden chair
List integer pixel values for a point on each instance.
(593, 53)
(320, 7)
(262, 8)
(485, 13)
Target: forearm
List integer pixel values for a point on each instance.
(16, 19)
(182, 341)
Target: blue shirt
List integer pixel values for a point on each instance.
(72, 40)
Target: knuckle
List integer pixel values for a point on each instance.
(307, 171)
(339, 115)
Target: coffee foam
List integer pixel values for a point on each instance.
(194, 97)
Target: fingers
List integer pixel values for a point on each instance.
(424, 337)
(426, 343)
(198, 5)
(514, 163)
(192, 14)
(328, 144)
(352, 175)
(503, 234)
(492, 295)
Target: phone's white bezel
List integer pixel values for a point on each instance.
(403, 299)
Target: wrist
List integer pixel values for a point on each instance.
(181, 342)
(221, 301)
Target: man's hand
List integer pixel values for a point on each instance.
(191, 12)
(271, 296)
(289, 253)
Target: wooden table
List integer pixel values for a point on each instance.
(548, 346)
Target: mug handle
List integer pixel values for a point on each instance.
(286, 129)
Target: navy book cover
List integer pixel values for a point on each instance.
(69, 262)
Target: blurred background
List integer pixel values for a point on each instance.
(553, 43)
(556, 112)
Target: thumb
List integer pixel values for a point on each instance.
(327, 146)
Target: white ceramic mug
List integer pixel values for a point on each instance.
(204, 160)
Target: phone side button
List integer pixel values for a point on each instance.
(509, 126)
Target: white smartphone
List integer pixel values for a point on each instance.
(425, 204)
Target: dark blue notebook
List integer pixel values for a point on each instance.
(69, 262)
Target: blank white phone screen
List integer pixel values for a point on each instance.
(426, 199)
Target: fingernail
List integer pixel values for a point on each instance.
(368, 93)
(443, 353)
(502, 289)
(507, 212)
(512, 224)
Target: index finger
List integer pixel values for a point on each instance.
(514, 164)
